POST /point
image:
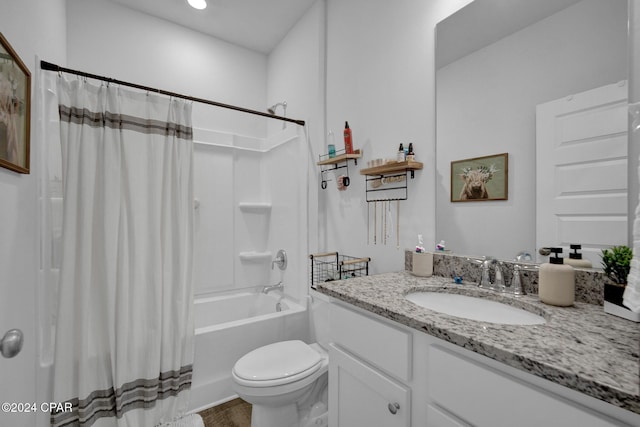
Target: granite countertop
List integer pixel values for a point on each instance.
(580, 347)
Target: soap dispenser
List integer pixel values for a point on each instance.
(575, 258)
(557, 282)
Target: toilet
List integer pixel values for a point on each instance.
(286, 382)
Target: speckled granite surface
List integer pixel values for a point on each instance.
(589, 283)
(579, 347)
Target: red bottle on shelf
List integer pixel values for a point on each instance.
(348, 143)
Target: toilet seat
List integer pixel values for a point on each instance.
(277, 364)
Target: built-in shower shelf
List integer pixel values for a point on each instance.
(253, 256)
(260, 207)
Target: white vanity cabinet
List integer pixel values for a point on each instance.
(376, 364)
(369, 367)
(360, 395)
(466, 389)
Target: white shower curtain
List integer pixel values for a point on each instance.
(124, 330)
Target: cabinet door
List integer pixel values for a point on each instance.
(439, 418)
(361, 396)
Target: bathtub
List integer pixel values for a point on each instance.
(229, 326)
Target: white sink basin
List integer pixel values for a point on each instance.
(474, 308)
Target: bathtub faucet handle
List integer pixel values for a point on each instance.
(280, 260)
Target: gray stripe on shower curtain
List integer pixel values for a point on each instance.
(141, 393)
(82, 116)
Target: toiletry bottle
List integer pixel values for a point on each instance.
(331, 147)
(348, 143)
(575, 258)
(422, 262)
(556, 281)
(400, 153)
(410, 156)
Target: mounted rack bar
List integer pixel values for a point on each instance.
(390, 186)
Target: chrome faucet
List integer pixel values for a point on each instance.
(278, 286)
(516, 282)
(516, 287)
(485, 279)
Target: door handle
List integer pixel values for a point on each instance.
(11, 343)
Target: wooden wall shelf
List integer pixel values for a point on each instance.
(392, 168)
(341, 158)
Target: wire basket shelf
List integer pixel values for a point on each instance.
(326, 267)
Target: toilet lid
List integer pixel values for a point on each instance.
(277, 361)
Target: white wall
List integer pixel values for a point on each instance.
(486, 105)
(108, 39)
(296, 75)
(380, 77)
(32, 27)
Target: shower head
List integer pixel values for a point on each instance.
(272, 109)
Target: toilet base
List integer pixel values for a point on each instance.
(309, 410)
(287, 416)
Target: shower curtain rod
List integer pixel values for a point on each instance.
(53, 67)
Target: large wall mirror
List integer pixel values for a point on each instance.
(496, 62)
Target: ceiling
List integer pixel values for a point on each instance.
(255, 24)
(483, 22)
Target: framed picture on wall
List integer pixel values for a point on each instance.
(480, 179)
(15, 109)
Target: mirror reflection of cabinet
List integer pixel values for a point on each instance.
(487, 96)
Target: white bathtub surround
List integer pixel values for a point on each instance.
(124, 332)
(231, 325)
(252, 194)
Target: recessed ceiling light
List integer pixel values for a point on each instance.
(197, 4)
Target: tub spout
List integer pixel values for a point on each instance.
(267, 289)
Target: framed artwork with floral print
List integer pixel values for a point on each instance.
(480, 179)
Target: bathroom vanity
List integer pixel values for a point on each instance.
(395, 363)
